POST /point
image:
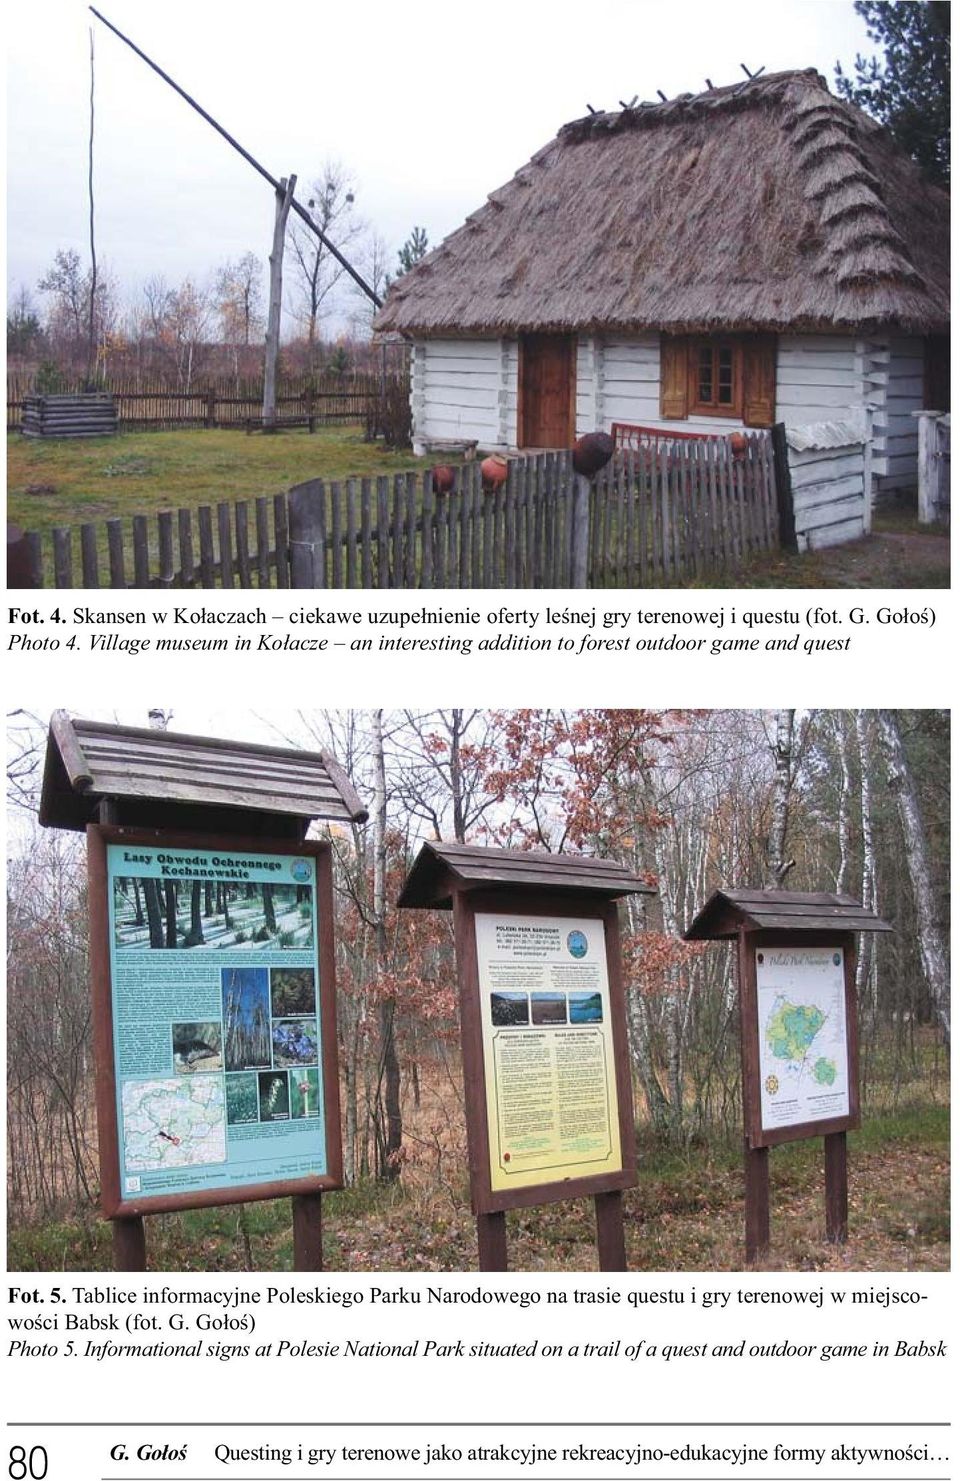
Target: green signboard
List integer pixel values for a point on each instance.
(217, 1031)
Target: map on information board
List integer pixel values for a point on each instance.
(215, 999)
(802, 1023)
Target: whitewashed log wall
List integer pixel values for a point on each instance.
(830, 472)
(467, 388)
(464, 389)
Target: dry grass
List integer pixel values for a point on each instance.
(144, 472)
(685, 1215)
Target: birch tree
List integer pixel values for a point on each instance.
(930, 937)
(778, 865)
(866, 947)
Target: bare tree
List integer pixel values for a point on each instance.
(317, 272)
(239, 304)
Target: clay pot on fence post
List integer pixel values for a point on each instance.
(591, 453)
(493, 471)
(443, 479)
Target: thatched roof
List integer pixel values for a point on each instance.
(770, 205)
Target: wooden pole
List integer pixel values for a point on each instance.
(611, 1244)
(272, 342)
(129, 1244)
(492, 1241)
(756, 1168)
(835, 1185)
(580, 541)
(307, 1231)
(781, 470)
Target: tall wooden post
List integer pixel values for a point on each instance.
(307, 1231)
(272, 346)
(756, 1168)
(492, 1241)
(580, 537)
(835, 1185)
(129, 1244)
(611, 1244)
(128, 1234)
(781, 470)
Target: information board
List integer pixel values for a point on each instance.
(548, 1050)
(802, 1027)
(217, 1036)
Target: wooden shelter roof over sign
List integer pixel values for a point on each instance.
(729, 911)
(88, 762)
(442, 868)
(768, 205)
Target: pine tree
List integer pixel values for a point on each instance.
(414, 250)
(909, 92)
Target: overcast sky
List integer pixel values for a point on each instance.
(429, 105)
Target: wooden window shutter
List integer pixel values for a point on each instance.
(759, 380)
(673, 377)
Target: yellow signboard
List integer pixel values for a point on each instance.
(548, 1049)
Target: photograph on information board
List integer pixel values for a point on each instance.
(538, 989)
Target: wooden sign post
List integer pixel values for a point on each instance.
(212, 970)
(796, 964)
(546, 1068)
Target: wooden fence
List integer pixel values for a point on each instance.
(652, 518)
(328, 400)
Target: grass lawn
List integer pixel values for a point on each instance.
(54, 484)
(82, 481)
(686, 1214)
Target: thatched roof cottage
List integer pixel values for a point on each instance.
(753, 253)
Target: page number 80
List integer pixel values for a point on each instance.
(27, 1465)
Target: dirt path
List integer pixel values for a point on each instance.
(894, 557)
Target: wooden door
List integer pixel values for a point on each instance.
(547, 390)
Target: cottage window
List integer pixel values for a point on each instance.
(717, 375)
(722, 376)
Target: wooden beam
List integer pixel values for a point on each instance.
(272, 343)
(129, 1244)
(492, 1241)
(611, 1243)
(307, 1231)
(835, 1185)
(756, 1169)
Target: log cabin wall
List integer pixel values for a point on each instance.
(468, 389)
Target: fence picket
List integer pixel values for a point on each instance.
(281, 539)
(366, 552)
(62, 557)
(165, 546)
(350, 488)
(226, 542)
(428, 531)
(115, 548)
(410, 527)
(185, 539)
(262, 521)
(89, 558)
(336, 536)
(207, 558)
(242, 533)
(383, 531)
(141, 553)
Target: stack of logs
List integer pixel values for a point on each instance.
(88, 415)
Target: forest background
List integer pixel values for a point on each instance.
(852, 801)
